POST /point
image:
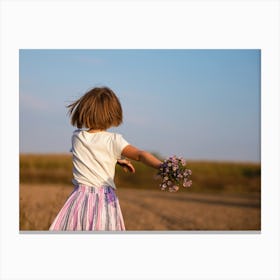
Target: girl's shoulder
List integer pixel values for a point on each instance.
(113, 137)
(116, 135)
(101, 134)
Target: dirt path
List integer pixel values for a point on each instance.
(153, 210)
(150, 210)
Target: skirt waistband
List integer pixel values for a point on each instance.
(94, 189)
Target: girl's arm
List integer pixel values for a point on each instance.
(133, 153)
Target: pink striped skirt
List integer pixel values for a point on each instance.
(90, 208)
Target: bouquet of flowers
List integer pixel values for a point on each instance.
(173, 173)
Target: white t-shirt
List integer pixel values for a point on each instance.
(95, 156)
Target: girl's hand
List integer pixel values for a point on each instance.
(126, 165)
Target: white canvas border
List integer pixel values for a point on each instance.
(140, 24)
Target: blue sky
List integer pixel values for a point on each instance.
(199, 104)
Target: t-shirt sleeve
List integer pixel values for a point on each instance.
(119, 144)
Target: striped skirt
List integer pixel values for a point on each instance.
(90, 208)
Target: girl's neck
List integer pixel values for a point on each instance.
(94, 130)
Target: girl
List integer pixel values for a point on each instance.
(93, 204)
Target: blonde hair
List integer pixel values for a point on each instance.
(99, 108)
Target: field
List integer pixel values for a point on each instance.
(224, 196)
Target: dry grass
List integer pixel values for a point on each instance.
(226, 177)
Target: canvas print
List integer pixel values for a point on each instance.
(144, 140)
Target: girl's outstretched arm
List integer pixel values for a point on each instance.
(134, 153)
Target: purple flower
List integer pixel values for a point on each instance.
(173, 174)
(173, 188)
(187, 184)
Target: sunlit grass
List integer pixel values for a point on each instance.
(207, 176)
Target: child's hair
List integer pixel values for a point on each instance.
(99, 108)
